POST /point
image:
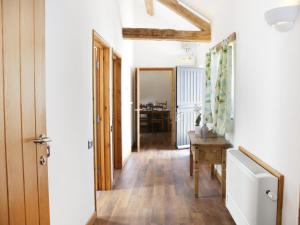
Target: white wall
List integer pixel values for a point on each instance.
(165, 53)
(69, 27)
(267, 88)
(156, 86)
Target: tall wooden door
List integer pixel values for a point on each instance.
(101, 80)
(23, 153)
(117, 112)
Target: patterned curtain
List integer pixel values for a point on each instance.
(207, 107)
(222, 96)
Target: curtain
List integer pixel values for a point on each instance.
(222, 106)
(208, 92)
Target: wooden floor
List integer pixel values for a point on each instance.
(155, 188)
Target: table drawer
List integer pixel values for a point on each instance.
(208, 155)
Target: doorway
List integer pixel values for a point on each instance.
(117, 113)
(155, 102)
(101, 120)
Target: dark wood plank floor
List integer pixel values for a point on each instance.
(155, 188)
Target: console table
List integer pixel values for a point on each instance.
(209, 151)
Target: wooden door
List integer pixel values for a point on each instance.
(23, 179)
(117, 112)
(99, 140)
(101, 54)
(137, 108)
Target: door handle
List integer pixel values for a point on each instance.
(44, 140)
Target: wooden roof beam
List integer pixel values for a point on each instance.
(166, 34)
(187, 14)
(149, 7)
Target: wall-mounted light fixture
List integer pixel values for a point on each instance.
(282, 18)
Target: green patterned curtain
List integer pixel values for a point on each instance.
(222, 94)
(207, 107)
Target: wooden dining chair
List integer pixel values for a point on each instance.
(158, 119)
(145, 121)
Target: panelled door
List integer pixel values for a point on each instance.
(188, 82)
(23, 144)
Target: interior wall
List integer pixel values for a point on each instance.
(267, 90)
(156, 86)
(69, 27)
(149, 53)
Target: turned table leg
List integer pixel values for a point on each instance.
(223, 184)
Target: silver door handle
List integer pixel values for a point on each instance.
(44, 140)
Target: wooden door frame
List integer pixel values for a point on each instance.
(104, 156)
(117, 110)
(137, 109)
(173, 103)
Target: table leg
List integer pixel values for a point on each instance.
(191, 163)
(223, 184)
(197, 171)
(212, 171)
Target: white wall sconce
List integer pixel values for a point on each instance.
(282, 18)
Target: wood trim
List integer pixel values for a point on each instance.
(156, 69)
(230, 38)
(149, 7)
(107, 130)
(116, 54)
(274, 173)
(187, 14)
(137, 108)
(173, 102)
(40, 107)
(100, 40)
(165, 34)
(92, 219)
(173, 105)
(117, 112)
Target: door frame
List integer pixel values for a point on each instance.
(101, 123)
(137, 102)
(117, 110)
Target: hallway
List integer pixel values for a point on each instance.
(155, 188)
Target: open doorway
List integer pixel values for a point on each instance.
(101, 121)
(155, 107)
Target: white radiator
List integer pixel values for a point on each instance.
(251, 195)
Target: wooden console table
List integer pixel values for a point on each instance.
(210, 151)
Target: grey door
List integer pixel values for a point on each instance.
(188, 96)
